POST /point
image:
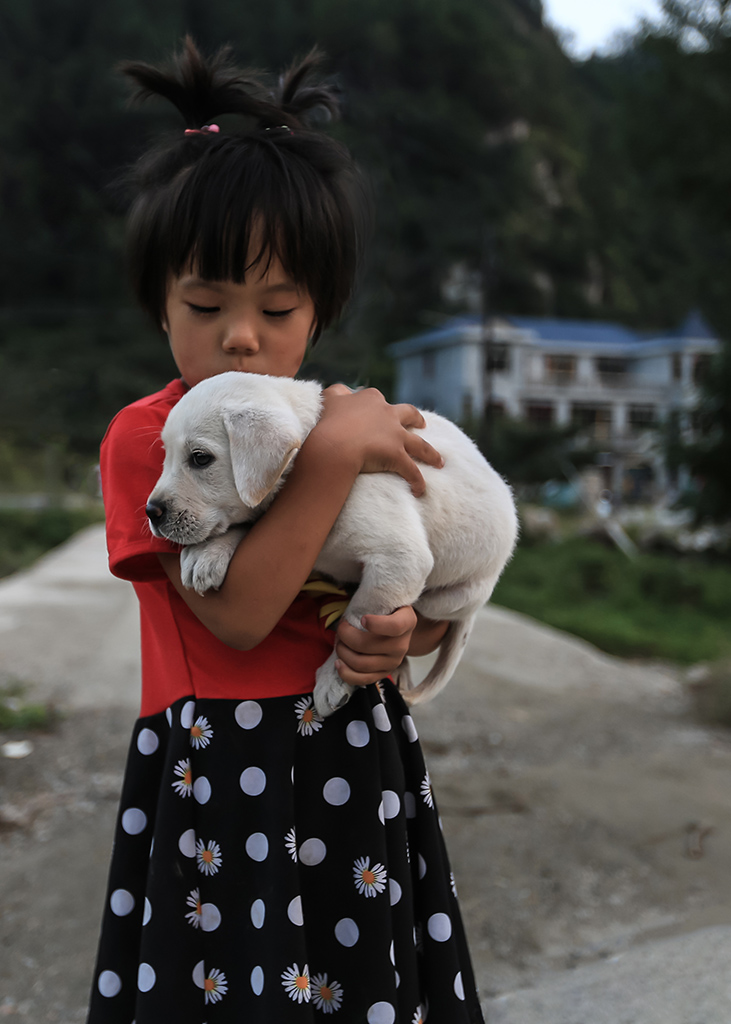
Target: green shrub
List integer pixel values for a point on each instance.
(26, 534)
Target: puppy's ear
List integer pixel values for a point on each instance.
(263, 442)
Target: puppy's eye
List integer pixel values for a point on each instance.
(201, 459)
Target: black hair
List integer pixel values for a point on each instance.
(201, 197)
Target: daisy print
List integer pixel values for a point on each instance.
(194, 915)
(208, 856)
(215, 986)
(308, 720)
(297, 983)
(452, 883)
(426, 791)
(200, 732)
(183, 785)
(290, 841)
(369, 881)
(419, 1015)
(327, 996)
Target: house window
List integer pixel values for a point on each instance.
(677, 361)
(498, 358)
(701, 366)
(539, 413)
(642, 417)
(560, 369)
(595, 421)
(611, 370)
(428, 364)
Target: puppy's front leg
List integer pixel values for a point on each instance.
(203, 566)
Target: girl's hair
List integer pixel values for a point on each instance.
(225, 203)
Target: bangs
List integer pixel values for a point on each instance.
(243, 204)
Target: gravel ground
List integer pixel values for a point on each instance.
(587, 813)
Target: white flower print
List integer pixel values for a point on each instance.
(290, 841)
(208, 856)
(296, 984)
(309, 720)
(194, 916)
(381, 691)
(426, 791)
(369, 881)
(200, 732)
(215, 986)
(419, 937)
(419, 1015)
(327, 996)
(183, 785)
(452, 883)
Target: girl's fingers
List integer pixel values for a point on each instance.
(420, 449)
(358, 678)
(410, 416)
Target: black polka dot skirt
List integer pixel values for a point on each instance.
(273, 868)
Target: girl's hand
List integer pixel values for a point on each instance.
(367, 656)
(374, 436)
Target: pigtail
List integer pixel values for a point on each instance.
(297, 96)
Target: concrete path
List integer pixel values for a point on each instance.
(580, 904)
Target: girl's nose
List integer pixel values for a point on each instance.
(241, 336)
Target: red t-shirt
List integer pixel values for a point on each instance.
(180, 656)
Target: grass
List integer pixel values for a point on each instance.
(657, 606)
(26, 534)
(15, 713)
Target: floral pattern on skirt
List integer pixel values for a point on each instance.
(273, 867)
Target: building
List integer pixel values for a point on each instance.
(617, 385)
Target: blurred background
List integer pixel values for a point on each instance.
(550, 268)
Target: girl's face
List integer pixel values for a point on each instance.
(261, 326)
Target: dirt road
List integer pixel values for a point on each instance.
(588, 815)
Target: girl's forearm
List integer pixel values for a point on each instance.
(427, 635)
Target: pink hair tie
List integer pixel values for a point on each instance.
(205, 128)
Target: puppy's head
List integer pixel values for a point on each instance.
(225, 458)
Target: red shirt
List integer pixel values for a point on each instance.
(180, 656)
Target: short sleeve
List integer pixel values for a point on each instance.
(131, 459)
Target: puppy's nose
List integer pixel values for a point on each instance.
(155, 511)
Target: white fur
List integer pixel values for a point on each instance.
(442, 553)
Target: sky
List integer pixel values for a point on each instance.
(594, 22)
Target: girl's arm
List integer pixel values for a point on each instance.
(356, 433)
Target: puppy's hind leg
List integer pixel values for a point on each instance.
(390, 580)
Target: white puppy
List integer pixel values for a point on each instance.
(228, 445)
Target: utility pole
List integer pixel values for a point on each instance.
(487, 281)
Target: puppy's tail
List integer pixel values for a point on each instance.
(450, 652)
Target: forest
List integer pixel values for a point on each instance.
(603, 184)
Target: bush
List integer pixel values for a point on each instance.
(26, 534)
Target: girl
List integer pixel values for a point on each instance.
(269, 867)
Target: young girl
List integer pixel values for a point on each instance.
(269, 867)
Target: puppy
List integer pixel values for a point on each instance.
(229, 443)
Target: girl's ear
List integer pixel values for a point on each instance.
(262, 442)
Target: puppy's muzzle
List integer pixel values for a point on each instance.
(156, 512)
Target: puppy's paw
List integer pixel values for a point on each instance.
(330, 692)
(204, 566)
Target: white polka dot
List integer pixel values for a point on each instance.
(257, 846)
(253, 781)
(199, 974)
(121, 902)
(147, 914)
(248, 714)
(346, 931)
(381, 816)
(186, 843)
(397, 978)
(391, 803)
(394, 891)
(312, 852)
(134, 821)
(391, 954)
(202, 790)
(257, 981)
(294, 911)
(458, 986)
(210, 917)
(109, 983)
(169, 715)
(380, 717)
(422, 866)
(409, 728)
(440, 927)
(410, 805)
(258, 913)
(148, 741)
(145, 978)
(336, 791)
(381, 1013)
(291, 775)
(187, 714)
(357, 733)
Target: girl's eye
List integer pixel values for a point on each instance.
(204, 309)
(278, 312)
(201, 459)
